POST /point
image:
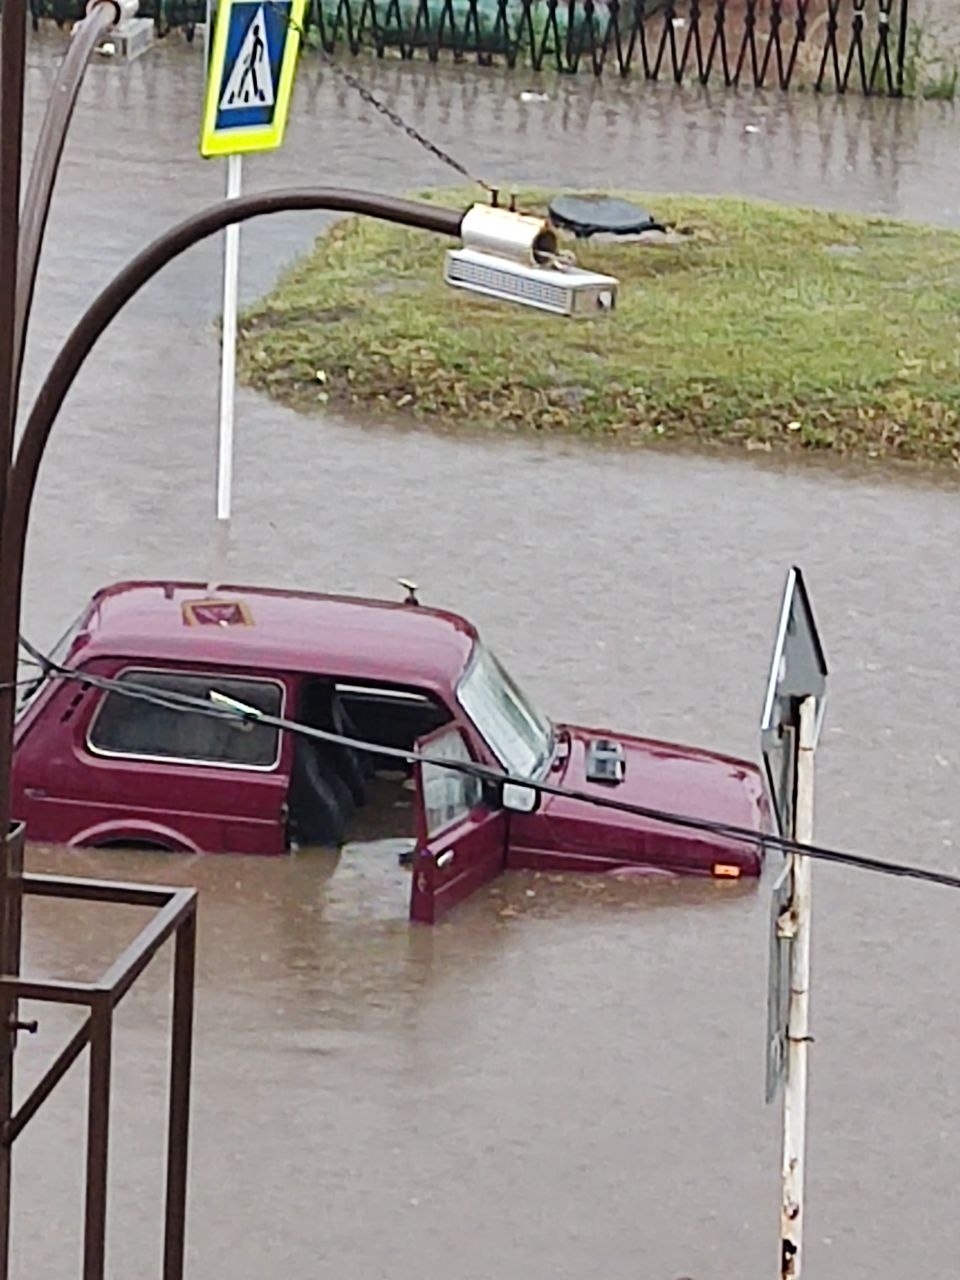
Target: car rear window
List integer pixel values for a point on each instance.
(129, 726)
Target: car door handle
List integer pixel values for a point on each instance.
(444, 859)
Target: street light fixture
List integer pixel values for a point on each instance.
(514, 257)
(521, 248)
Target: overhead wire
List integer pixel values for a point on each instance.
(370, 98)
(19, 684)
(227, 708)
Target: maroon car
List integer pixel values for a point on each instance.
(97, 767)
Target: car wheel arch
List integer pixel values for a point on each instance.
(134, 835)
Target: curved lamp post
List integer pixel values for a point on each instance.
(21, 238)
(22, 472)
(100, 17)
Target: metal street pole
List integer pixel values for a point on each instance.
(789, 727)
(13, 30)
(228, 377)
(86, 36)
(792, 1206)
(21, 238)
(228, 360)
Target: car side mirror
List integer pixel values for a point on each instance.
(517, 798)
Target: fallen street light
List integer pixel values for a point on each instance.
(514, 257)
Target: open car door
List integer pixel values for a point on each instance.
(461, 843)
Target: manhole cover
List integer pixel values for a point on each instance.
(592, 215)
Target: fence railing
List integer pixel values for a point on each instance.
(175, 917)
(827, 44)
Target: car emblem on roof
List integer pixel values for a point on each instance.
(220, 613)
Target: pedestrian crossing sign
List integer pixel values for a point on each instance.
(250, 77)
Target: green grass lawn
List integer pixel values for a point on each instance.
(767, 327)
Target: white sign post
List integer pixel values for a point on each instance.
(228, 356)
(799, 919)
(792, 715)
(250, 74)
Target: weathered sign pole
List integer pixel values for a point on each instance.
(250, 76)
(790, 727)
(798, 1021)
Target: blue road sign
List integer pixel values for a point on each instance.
(250, 78)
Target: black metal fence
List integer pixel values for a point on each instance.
(824, 44)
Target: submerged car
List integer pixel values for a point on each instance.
(96, 767)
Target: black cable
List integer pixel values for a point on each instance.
(727, 830)
(42, 661)
(20, 684)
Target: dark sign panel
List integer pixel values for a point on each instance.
(798, 671)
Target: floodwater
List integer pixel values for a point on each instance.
(565, 1078)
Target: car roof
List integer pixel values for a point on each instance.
(275, 630)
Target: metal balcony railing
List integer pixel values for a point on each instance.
(175, 916)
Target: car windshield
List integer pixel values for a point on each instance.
(517, 734)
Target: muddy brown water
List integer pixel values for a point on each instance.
(565, 1078)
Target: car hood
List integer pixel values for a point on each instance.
(656, 775)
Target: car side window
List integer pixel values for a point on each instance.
(132, 726)
(389, 716)
(448, 795)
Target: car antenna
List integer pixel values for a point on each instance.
(411, 590)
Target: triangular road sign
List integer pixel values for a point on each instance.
(250, 83)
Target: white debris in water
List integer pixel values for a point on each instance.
(528, 95)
